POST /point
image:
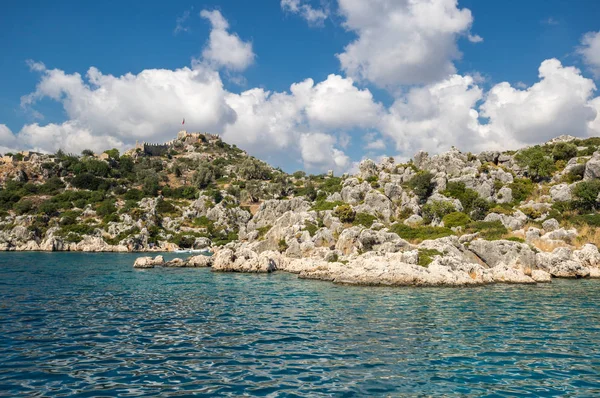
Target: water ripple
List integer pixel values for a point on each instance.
(89, 325)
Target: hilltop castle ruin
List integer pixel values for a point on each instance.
(183, 137)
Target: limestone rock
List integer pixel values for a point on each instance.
(560, 264)
(510, 253)
(550, 225)
(200, 261)
(592, 167)
(541, 276)
(561, 193)
(148, 262)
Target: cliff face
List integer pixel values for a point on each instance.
(535, 209)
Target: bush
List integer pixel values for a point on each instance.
(96, 167)
(456, 219)
(106, 208)
(311, 228)
(422, 185)
(490, 230)
(253, 169)
(420, 233)
(282, 245)
(322, 205)
(345, 213)
(86, 181)
(479, 209)
(49, 208)
(521, 188)
(564, 151)
(364, 219)
(436, 210)
(112, 153)
(575, 174)
(586, 193)
(539, 165)
(134, 194)
(164, 207)
(23, 207)
(426, 256)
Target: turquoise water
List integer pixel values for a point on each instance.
(91, 325)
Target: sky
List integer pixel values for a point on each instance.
(302, 84)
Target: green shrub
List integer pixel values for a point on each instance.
(539, 164)
(456, 219)
(466, 196)
(586, 193)
(322, 205)
(254, 169)
(23, 207)
(593, 220)
(574, 174)
(426, 256)
(436, 210)
(422, 184)
(311, 228)
(86, 181)
(112, 153)
(96, 167)
(564, 151)
(521, 188)
(134, 194)
(48, 208)
(331, 185)
(345, 213)
(489, 230)
(420, 233)
(282, 245)
(106, 208)
(262, 231)
(364, 219)
(164, 207)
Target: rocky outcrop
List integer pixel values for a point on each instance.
(148, 262)
(560, 263)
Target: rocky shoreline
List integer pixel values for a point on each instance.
(473, 263)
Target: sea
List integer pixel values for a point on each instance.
(90, 325)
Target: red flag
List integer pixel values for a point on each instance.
(183, 121)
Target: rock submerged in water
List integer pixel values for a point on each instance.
(148, 262)
(193, 261)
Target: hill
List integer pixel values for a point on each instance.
(530, 210)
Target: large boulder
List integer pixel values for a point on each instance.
(512, 222)
(148, 262)
(560, 264)
(245, 260)
(561, 193)
(377, 204)
(592, 167)
(200, 261)
(510, 253)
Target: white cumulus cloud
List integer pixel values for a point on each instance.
(314, 16)
(590, 52)
(402, 41)
(225, 49)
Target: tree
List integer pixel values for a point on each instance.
(112, 153)
(253, 169)
(422, 184)
(586, 193)
(539, 166)
(564, 151)
(87, 152)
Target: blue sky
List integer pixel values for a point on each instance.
(427, 104)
